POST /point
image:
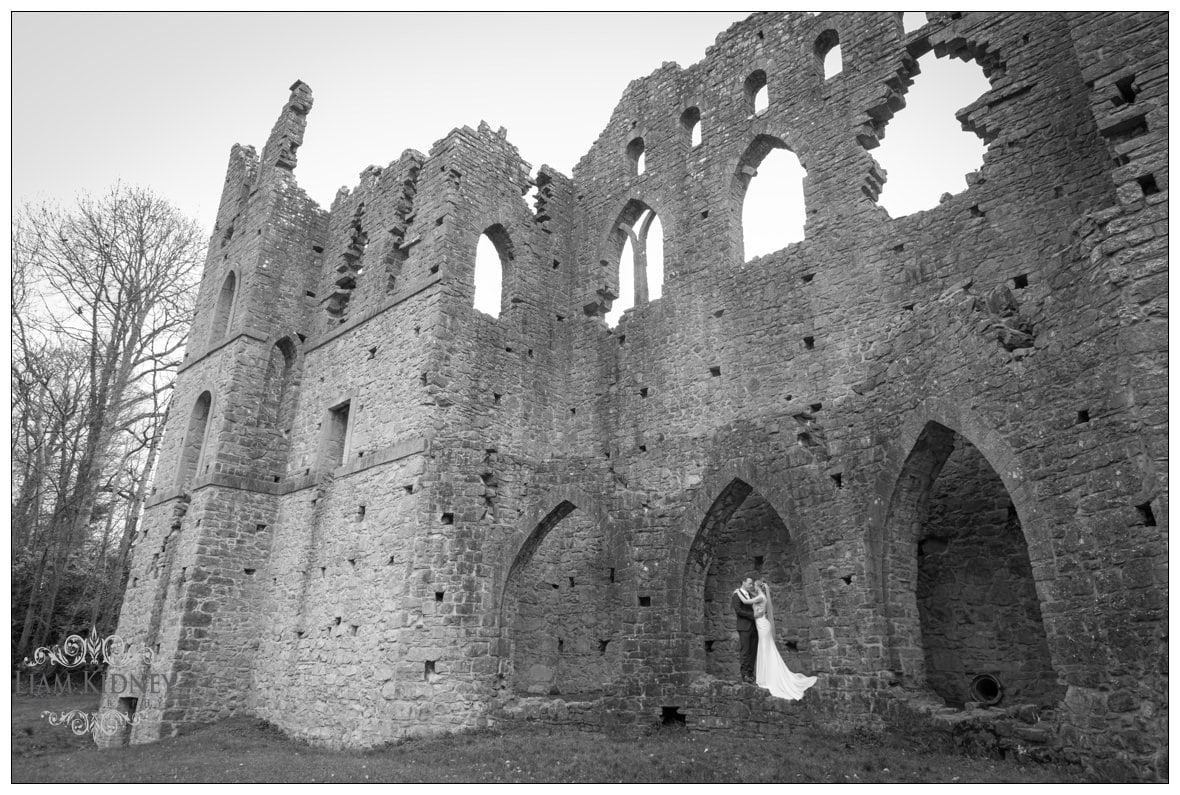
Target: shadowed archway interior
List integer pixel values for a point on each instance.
(556, 610)
(963, 599)
(743, 534)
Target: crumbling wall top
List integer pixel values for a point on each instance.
(287, 135)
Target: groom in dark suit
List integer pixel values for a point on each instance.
(747, 633)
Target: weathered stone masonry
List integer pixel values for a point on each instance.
(943, 437)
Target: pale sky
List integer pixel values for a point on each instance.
(157, 99)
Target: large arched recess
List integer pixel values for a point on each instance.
(905, 553)
(192, 449)
(741, 524)
(223, 311)
(557, 607)
(276, 410)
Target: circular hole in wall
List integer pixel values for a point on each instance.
(986, 689)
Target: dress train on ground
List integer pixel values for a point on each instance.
(771, 672)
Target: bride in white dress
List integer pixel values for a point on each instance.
(770, 671)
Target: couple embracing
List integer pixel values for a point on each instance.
(761, 662)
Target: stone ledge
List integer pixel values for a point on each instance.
(386, 455)
(383, 456)
(248, 332)
(163, 496)
(236, 482)
(220, 479)
(360, 320)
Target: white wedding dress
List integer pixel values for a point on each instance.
(770, 671)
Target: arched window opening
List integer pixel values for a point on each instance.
(927, 153)
(223, 312)
(489, 277)
(636, 156)
(639, 236)
(194, 441)
(652, 237)
(493, 256)
(626, 299)
(912, 20)
(743, 534)
(690, 121)
(557, 611)
(956, 552)
(769, 184)
(757, 94)
(285, 350)
(827, 51)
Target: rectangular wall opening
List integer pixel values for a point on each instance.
(672, 716)
(337, 436)
(126, 708)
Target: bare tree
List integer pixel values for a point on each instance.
(116, 278)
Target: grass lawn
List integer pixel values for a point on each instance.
(246, 750)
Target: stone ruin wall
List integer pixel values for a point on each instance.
(393, 514)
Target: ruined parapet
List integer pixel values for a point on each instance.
(240, 178)
(369, 243)
(287, 135)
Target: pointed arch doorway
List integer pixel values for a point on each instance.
(964, 612)
(743, 533)
(557, 610)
